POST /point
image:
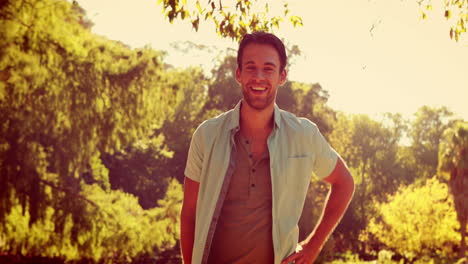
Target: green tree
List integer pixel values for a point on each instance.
(453, 164)
(417, 221)
(141, 169)
(370, 150)
(145, 167)
(224, 92)
(66, 97)
(229, 21)
(121, 231)
(313, 206)
(190, 87)
(425, 133)
(307, 100)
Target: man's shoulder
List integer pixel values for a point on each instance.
(217, 122)
(297, 123)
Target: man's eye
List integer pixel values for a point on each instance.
(250, 68)
(268, 69)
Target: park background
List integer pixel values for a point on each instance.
(98, 101)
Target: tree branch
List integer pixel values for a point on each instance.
(69, 191)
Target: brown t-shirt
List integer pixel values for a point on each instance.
(243, 232)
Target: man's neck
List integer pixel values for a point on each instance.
(256, 123)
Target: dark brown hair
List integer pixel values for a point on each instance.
(261, 37)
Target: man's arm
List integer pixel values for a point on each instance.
(341, 192)
(187, 218)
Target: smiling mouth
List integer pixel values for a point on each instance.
(257, 88)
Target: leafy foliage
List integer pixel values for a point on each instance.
(453, 8)
(370, 150)
(224, 93)
(145, 167)
(138, 170)
(453, 160)
(416, 221)
(66, 98)
(229, 21)
(307, 100)
(315, 199)
(64, 101)
(426, 132)
(120, 230)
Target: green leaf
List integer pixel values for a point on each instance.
(448, 14)
(195, 23)
(200, 10)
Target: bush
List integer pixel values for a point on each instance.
(120, 230)
(417, 221)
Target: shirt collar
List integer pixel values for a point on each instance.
(235, 117)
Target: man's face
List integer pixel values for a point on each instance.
(260, 76)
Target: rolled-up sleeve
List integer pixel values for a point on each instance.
(195, 156)
(325, 155)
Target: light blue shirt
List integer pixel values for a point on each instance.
(297, 150)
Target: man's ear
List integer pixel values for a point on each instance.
(283, 76)
(238, 73)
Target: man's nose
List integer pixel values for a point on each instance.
(259, 75)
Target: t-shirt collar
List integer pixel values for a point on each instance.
(235, 117)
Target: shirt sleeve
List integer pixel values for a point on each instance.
(325, 156)
(195, 156)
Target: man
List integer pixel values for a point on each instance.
(248, 171)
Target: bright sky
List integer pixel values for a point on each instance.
(403, 63)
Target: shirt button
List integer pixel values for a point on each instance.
(253, 185)
(250, 156)
(253, 170)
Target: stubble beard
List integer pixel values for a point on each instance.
(258, 103)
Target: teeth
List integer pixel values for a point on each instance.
(259, 88)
